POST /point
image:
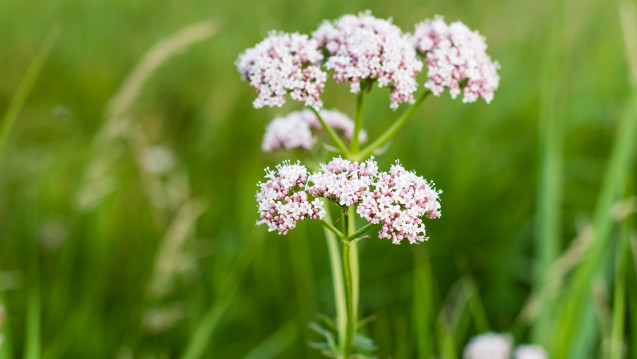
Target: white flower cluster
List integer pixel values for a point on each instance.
(367, 48)
(282, 64)
(454, 55)
(283, 201)
(499, 346)
(343, 181)
(399, 200)
(295, 130)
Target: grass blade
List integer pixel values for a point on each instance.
(619, 296)
(423, 304)
(275, 344)
(547, 216)
(571, 318)
(26, 84)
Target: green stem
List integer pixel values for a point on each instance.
(390, 132)
(350, 269)
(337, 279)
(353, 255)
(358, 122)
(360, 231)
(337, 141)
(351, 318)
(332, 228)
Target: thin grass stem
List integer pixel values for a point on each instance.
(26, 84)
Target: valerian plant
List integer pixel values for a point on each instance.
(365, 52)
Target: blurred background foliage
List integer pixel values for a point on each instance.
(142, 242)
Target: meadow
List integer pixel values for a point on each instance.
(130, 153)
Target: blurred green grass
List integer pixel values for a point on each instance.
(95, 266)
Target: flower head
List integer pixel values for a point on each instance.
(295, 130)
(399, 200)
(367, 48)
(283, 201)
(281, 64)
(455, 55)
(343, 181)
(530, 352)
(489, 346)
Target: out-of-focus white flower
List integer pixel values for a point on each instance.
(454, 54)
(291, 131)
(530, 352)
(489, 346)
(52, 234)
(158, 159)
(295, 129)
(398, 201)
(284, 64)
(367, 48)
(283, 201)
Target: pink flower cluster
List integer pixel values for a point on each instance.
(283, 201)
(362, 49)
(296, 129)
(282, 64)
(455, 54)
(399, 200)
(367, 48)
(343, 181)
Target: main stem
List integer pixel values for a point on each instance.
(350, 251)
(349, 334)
(350, 271)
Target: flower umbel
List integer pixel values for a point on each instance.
(281, 64)
(454, 55)
(398, 202)
(283, 200)
(367, 48)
